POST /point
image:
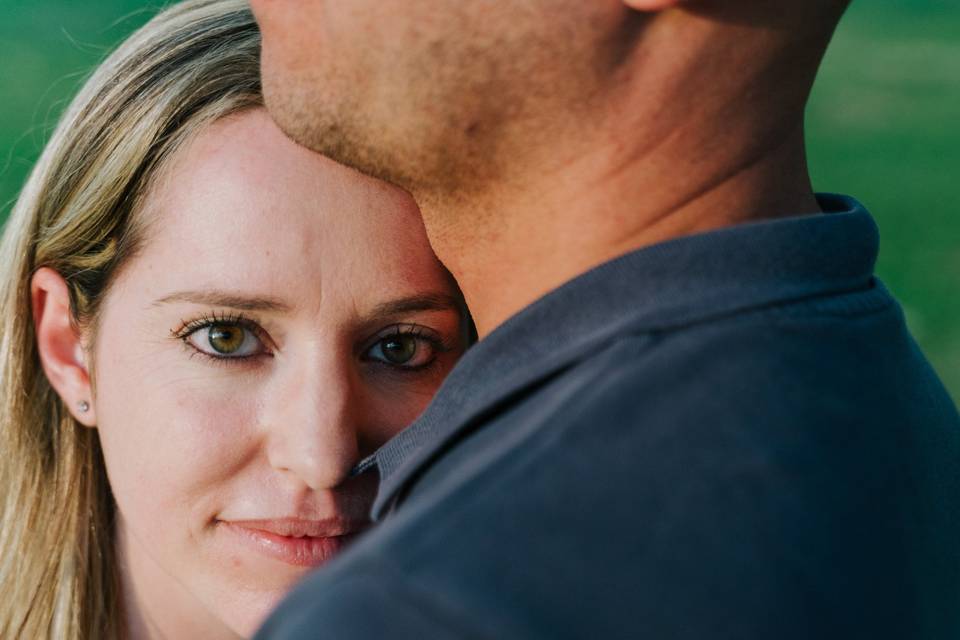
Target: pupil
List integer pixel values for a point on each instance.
(226, 339)
(399, 349)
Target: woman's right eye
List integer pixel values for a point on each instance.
(225, 341)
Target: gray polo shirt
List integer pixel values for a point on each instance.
(728, 435)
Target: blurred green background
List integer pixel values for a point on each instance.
(883, 125)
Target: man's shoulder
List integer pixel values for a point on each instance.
(746, 477)
(779, 364)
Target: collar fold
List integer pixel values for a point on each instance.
(668, 285)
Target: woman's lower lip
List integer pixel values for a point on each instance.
(302, 552)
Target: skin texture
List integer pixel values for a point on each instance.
(192, 443)
(543, 137)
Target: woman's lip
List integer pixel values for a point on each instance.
(301, 528)
(301, 550)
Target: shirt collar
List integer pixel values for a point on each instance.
(671, 284)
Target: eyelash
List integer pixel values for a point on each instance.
(189, 327)
(400, 330)
(213, 318)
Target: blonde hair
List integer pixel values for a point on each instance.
(77, 214)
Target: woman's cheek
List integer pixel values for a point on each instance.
(174, 439)
(399, 398)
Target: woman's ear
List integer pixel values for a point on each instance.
(59, 344)
(651, 6)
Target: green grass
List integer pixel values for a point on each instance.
(883, 125)
(48, 49)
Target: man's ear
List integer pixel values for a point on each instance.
(652, 6)
(59, 344)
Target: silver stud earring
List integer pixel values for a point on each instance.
(84, 406)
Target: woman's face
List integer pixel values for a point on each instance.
(284, 318)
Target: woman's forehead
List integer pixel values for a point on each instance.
(243, 207)
(246, 163)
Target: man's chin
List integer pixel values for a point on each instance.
(292, 121)
(330, 132)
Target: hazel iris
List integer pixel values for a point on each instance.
(226, 338)
(399, 349)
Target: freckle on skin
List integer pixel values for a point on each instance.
(184, 440)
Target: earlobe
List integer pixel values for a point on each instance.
(652, 6)
(59, 344)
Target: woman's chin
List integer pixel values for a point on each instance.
(247, 617)
(244, 599)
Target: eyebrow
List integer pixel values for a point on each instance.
(401, 306)
(226, 299)
(414, 304)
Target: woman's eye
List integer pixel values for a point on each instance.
(225, 341)
(404, 350)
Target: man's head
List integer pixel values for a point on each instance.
(442, 96)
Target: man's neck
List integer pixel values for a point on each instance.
(508, 247)
(669, 149)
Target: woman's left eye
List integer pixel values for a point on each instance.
(404, 350)
(223, 340)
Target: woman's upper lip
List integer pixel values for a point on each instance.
(301, 528)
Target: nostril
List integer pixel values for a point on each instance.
(312, 438)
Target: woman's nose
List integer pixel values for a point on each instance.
(311, 423)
